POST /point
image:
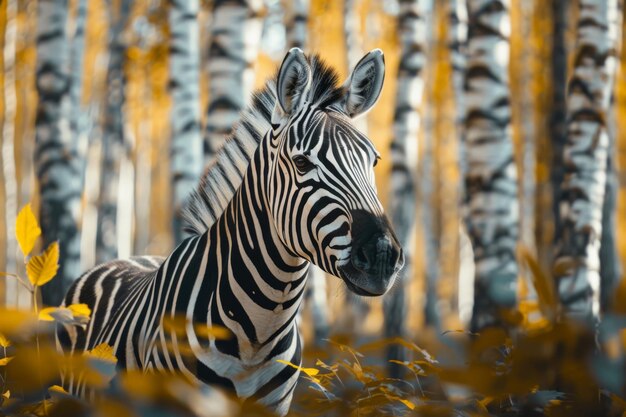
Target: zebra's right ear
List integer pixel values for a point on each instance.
(294, 81)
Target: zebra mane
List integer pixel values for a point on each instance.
(224, 175)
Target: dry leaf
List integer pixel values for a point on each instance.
(80, 310)
(4, 342)
(310, 372)
(45, 314)
(213, 332)
(5, 361)
(42, 268)
(103, 352)
(58, 389)
(26, 229)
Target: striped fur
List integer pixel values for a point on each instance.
(258, 219)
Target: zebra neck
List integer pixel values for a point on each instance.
(260, 283)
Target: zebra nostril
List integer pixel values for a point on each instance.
(361, 261)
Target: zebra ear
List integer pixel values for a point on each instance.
(365, 83)
(294, 81)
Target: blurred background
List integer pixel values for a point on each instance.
(134, 96)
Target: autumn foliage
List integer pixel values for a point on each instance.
(545, 368)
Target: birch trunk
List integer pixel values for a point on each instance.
(610, 268)
(12, 288)
(525, 106)
(113, 145)
(57, 159)
(351, 33)
(457, 48)
(558, 127)
(404, 153)
(76, 72)
(296, 23)
(576, 266)
(186, 142)
(354, 48)
(235, 35)
(430, 176)
(491, 178)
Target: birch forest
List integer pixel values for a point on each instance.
(501, 129)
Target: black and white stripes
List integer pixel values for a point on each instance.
(294, 185)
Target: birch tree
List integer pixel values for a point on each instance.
(404, 153)
(610, 267)
(8, 149)
(351, 33)
(491, 178)
(58, 164)
(113, 144)
(77, 55)
(457, 47)
(186, 142)
(296, 23)
(576, 265)
(558, 116)
(457, 32)
(235, 35)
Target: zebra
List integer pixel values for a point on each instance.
(293, 185)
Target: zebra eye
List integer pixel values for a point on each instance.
(376, 160)
(303, 164)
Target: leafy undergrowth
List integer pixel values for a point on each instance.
(545, 367)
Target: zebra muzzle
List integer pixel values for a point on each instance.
(376, 255)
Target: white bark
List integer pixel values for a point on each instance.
(8, 151)
(235, 36)
(412, 29)
(352, 33)
(114, 144)
(186, 142)
(76, 72)
(58, 164)
(457, 46)
(296, 23)
(576, 265)
(491, 176)
(526, 105)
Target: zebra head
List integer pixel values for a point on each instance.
(321, 187)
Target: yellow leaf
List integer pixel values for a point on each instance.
(44, 313)
(26, 229)
(103, 352)
(309, 371)
(216, 332)
(7, 394)
(42, 268)
(4, 342)
(6, 360)
(75, 314)
(57, 388)
(80, 310)
(486, 401)
(408, 403)
(14, 322)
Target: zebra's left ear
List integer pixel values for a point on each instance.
(365, 83)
